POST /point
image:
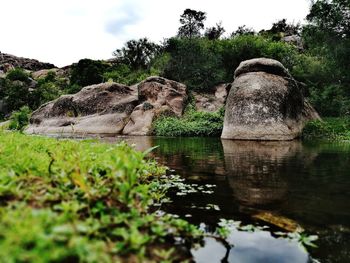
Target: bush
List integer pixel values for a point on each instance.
(329, 128)
(88, 72)
(193, 123)
(123, 74)
(20, 119)
(17, 74)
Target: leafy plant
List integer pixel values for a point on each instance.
(193, 123)
(20, 119)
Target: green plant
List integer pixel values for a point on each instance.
(328, 128)
(64, 200)
(20, 119)
(17, 74)
(193, 123)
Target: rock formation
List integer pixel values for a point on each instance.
(156, 96)
(96, 109)
(8, 61)
(265, 103)
(110, 109)
(213, 100)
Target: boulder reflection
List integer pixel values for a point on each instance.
(255, 170)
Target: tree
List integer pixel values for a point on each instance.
(87, 72)
(285, 28)
(214, 32)
(137, 54)
(192, 23)
(327, 37)
(331, 16)
(243, 30)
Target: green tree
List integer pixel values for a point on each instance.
(327, 37)
(87, 72)
(137, 54)
(214, 32)
(192, 22)
(243, 30)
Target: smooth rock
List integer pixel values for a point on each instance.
(97, 109)
(265, 103)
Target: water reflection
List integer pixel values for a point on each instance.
(255, 170)
(306, 182)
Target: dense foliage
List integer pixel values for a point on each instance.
(20, 119)
(69, 201)
(329, 128)
(193, 123)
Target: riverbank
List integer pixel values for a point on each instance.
(337, 129)
(64, 200)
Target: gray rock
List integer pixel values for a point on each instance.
(265, 103)
(156, 96)
(96, 109)
(8, 61)
(213, 100)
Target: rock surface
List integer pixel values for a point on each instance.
(156, 96)
(8, 61)
(265, 103)
(96, 109)
(211, 101)
(110, 109)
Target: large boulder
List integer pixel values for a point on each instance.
(156, 96)
(96, 109)
(110, 109)
(265, 103)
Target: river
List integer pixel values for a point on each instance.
(261, 183)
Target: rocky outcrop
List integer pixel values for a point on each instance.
(265, 103)
(44, 72)
(110, 109)
(96, 109)
(8, 61)
(213, 100)
(156, 96)
(294, 40)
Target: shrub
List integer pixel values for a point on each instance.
(20, 119)
(329, 128)
(193, 123)
(88, 72)
(17, 74)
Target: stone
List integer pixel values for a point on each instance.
(212, 100)
(294, 40)
(10, 61)
(157, 95)
(96, 109)
(265, 103)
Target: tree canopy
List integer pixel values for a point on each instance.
(192, 22)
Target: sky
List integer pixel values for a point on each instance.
(63, 31)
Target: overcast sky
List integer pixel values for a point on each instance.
(64, 31)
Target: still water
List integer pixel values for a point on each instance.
(306, 183)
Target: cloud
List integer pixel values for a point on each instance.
(126, 15)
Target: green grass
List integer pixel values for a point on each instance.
(328, 128)
(193, 123)
(69, 201)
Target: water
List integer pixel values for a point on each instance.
(262, 183)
